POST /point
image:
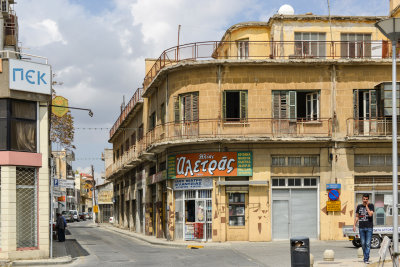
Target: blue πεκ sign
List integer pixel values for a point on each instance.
(333, 186)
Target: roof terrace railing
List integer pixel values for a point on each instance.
(259, 50)
(136, 98)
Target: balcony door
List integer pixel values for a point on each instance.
(365, 111)
(187, 115)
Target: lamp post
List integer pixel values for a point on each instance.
(391, 29)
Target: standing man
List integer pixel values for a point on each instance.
(60, 225)
(364, 215)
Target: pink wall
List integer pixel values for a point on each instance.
(14, 158)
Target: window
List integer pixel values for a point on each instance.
(127, 144)
(303, 161)
(140, 132)
(355, 45)
(18, 125)
(373, 160)
(234, 105)
(243, 48)
(152, 121)
(309, 44)
(133, 139)
(187, 107)
(312, 107)
(163, 112)
(296, 105)
(237, 209)
(294, 182)
(26, 207)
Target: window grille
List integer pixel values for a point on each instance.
(308, 161)
(294, 182)
(26, 207)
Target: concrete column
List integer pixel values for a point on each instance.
(8, 209)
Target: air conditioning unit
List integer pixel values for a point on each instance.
(4, 6)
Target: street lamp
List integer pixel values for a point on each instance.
(391, 29)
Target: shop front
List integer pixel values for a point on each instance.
(199, 179)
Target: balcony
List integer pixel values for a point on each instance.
(124, 162)
(250, 130)
(136, 98)
(269, 50)
(379, 127)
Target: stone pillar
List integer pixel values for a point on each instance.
(8, 209)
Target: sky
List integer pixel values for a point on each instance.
(97, 47)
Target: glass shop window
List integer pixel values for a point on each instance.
(237, 209)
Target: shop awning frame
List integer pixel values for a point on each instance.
(262, 183)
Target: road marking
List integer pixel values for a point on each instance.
(194, 247)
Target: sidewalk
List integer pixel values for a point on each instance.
(60, 256)
(353, 262)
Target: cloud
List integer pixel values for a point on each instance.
(97, 47)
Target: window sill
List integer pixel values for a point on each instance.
(233, 123)
(310, 121)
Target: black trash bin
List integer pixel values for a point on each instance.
(300, 251)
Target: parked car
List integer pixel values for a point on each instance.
(90, 216)
(111, 220)
(82, 216)
(86, 215)
(75, 215)
(68, 215)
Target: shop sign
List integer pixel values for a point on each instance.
(156, 178)
(105, 196)
(333, 186)
(333, 206)
(30, 77)
(193, 183)
(210, 164)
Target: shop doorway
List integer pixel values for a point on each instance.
(193, 215)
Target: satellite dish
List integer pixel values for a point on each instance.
(286, 10)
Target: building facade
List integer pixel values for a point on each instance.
(247, 138)
(25, 97)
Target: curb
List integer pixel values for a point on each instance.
(54, 261)
(164, 243)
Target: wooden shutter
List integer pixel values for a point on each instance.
(276, 104)
(292, 105)
(195, 106)
(187, 107)
(243, 105)
(224, 105)
(355, 104)
(176, 109)
(373, 105)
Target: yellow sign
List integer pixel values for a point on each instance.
(60, 106)
(95, 208)
(333, 206)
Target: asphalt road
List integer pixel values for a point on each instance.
(94, 246)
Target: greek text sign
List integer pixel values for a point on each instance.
(30, 77)
(66, 183)
(333, 206)
(193, 183)
(210, 164)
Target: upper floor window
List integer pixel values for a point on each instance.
(234, 106)
(187, 107)
(296, 105)
(304, 161)
(243, 48)
(163, 112)
(18, 125)
(140, 132)
(309, 44)
(133, 139)
(373, 160)
(152, 121)
(355, 45)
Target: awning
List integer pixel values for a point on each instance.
(263, 183)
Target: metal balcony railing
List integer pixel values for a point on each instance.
(253, 50)
(136, 98)
(371, 127)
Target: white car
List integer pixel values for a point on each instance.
(76, 215)
(111, 220)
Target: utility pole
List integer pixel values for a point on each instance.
(93, 193)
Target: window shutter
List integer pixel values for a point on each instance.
(176, 108)
(243, 105)
(276, 104)
(195, 106)
(224, 105)
(355, 104)
(187, 107)
(372, 98)
(292, 105)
